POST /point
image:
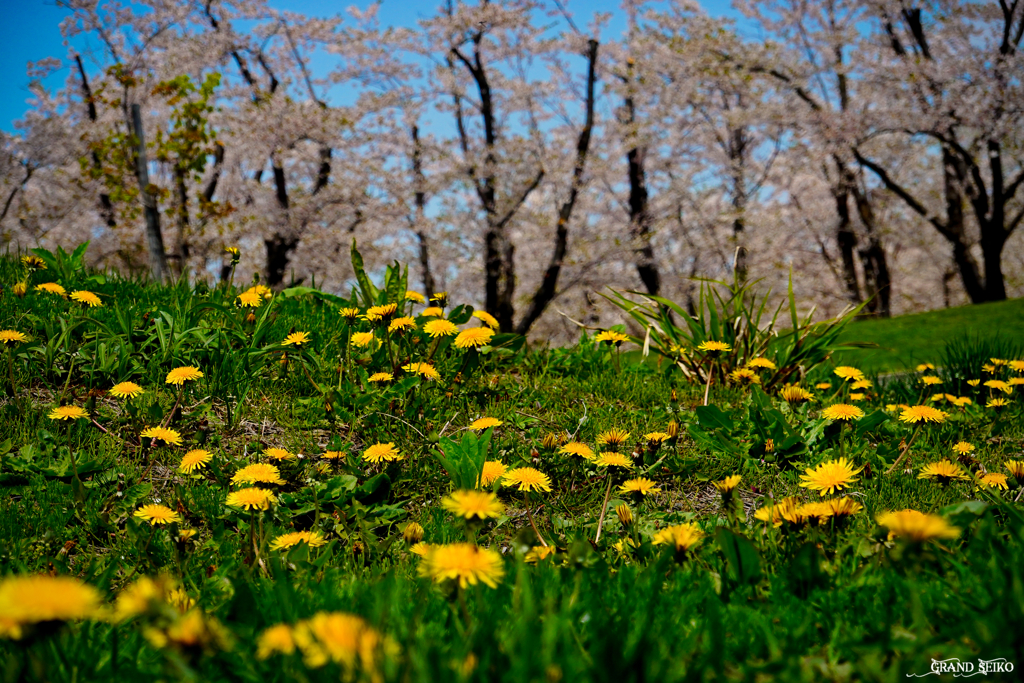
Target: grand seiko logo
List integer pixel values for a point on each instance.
(965, 668)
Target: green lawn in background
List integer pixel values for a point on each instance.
(911, 339)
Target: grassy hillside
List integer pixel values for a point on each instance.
(907, 340)
(212, 485)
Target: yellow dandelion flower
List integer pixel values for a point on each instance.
(761, 363)
(656, 437)
(12, 337)
(844, 507)
(611, 337)
(382, 452)
(816, 512)
(251, 499)
(744, 376)
(280, 454)
(777, 513)
(415, 297)
(86, 298)
(1016, 468)
(440, 328)
(961, 401)
(465, 563)
(344, 639)
(26, 600)
(382, 312)
(157, 514)
(473, 504)
(402, 324)
(997, 403)
(861, 384)
(823, 386)
(857, 397)
(999, 385)
(728, 484)
(349, 313)
(847, 372)
(794, 394)
(440, 298)
(19, 289)
(486, 318)
(842, 411)
(527, 479)
(1015, 381)
(485, 423)
(425, 370)
(258, 473)
(250, 298)
(333, 455)
(168, 436)
(943, 472)
(916, 527)
(713, 347)
(276, 640)
(974, 382)
(421, 549)
(830, 476)
(51, 288)
(639, 486)
(930, 380)
(539, 553)
(492, 472)
(68, 413)
(612, 459)
(178, 376)
(924, 367)
(1017, 365)
(432, 312)
(296, 339)
(194, 460)
(362, 339)
(380, 377)
(576, 448)
(33, 262)
(963, 447)
(474, 337)
(683, 537)
(612, 437)
(915, 414)
(126, 390)
(314, 539)
(994, 480)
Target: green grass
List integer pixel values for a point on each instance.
(907, 340)
(801, 602)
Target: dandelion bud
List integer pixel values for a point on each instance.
(251, 318)
(675, 397)
(625, 514)
(19, 289)
(672, 430)
(413, 533)
(553, 440)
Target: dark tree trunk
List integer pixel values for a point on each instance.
(639, 216)
(279, 250)
(420, 217)
(548, 286)
(106, 206)
(154, 237)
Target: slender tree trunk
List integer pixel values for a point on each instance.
(420, 218)
(737, 154)
(956, 232)
(183, 248)
(639, 216)
(280, 246)
(106, 206)
(877, 280)
(154, 237)
(548, 286)
(846, 239)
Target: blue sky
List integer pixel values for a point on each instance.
(30, 31)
